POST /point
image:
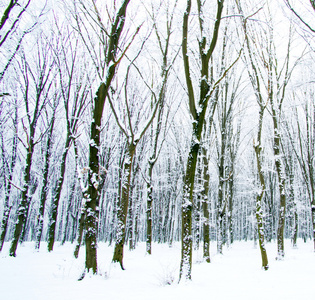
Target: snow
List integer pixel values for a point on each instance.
(236, 274)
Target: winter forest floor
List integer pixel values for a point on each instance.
(234, 275)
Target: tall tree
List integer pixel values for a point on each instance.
(197, 112)
(75, 88)
(133, 134)
(254, 73)
(47, 153)
(40, 78)
(226, 136)
(13, 31)
(156, 129)
(302, 144)
(106, 69)
(9, 162)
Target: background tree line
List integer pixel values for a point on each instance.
(156, 121)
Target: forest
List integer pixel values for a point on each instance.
(157, 121)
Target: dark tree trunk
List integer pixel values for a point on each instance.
(7, 207)
(44, 190)
(205, 209)
(80, 230)
(93, 194)
(57, 194)
(259, 197)
(23, 206)
(123, 206)
(187, 208)
(149, 210)
(68, 212)
(198, 122)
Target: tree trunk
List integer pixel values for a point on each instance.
(260, 226)
(57, 194)
(149, 210)
(7, 207)
(31, 192)
(281, 185)
(187, 208)
(69, 204)
(198, 116)
(206, 220)
(221, 200)
(23, 206)
(80, 229)
(92, 203)
(4, 223)
(44, 190)
(123, 206)
(93, 194)
(259, 197)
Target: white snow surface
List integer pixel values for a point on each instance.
(236, 274)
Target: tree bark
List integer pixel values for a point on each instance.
(23, 206)
(57, 194)
(92, 201)
(7, 207)
(259, 198)
(80, 229)
(44, 190)
(198, 123)
(205, 209)
(123, 206)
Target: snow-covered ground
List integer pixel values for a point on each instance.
(235, 275)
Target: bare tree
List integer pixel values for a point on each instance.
(40, 78)
(254, 73)
(301, 18)
(303, 131)
(47, 153)
(156, 128)
(269, 80)
(8, 162)
(74, 85)
(227, 144)
(12, 32)
(207, 86)
(133, 133)
(106, 63)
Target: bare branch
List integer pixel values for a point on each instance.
(299, 17)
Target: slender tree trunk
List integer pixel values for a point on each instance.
(230, 210)
(31, 192)
(221, 200)
(313, 222)
(197, 214)
(132, 211)
(259, 197)
(80, 230)
(260, 225)
(292, 201)
(57, 194)
(44, 190)
(149, 209)
(205, 209)
(7, 207)
(123, 206)
(4, 223)
(310, 155)
(281, 185)
(187, 208)
(69, 204)
(23, 206)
